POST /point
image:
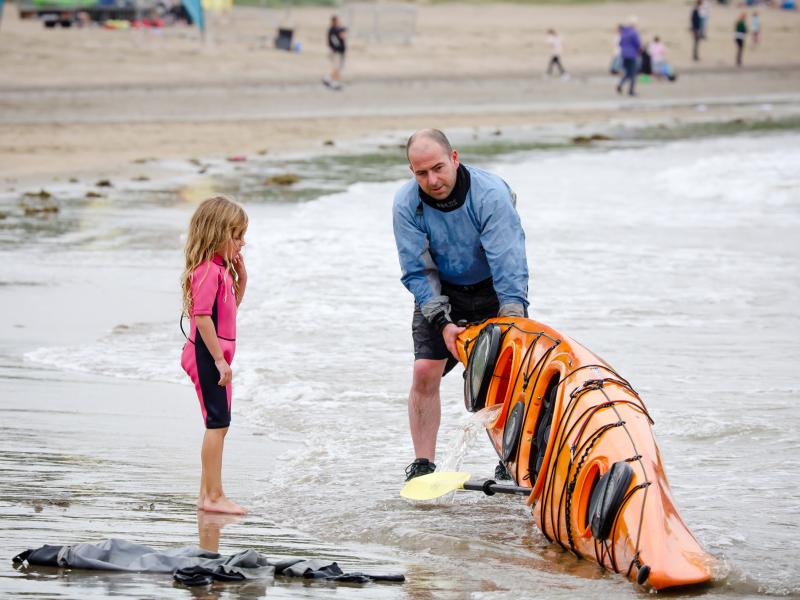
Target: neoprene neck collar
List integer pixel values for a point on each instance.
(456, 198)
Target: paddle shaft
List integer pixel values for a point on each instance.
(491, 487)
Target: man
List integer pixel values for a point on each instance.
(462, 255)
(696, 27)
(338, 47)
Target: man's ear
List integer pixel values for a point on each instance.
(454, 156)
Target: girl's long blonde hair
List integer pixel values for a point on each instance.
(216, 220)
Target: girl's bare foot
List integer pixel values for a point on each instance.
(222, 505)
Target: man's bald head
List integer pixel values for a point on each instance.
(433, 161)
(429, 135)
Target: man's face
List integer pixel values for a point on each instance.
(433, 168)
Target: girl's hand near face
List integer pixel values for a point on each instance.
(238, 266)
(241, 276)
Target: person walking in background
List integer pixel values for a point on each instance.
(554, 41)
(696, 27)
(755, 28)
(629, 46)
(337, 47)
(704, 9)
(739, 36)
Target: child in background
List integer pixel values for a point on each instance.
(554, 41)
(755, 28)
(213, 285)
(658, 54)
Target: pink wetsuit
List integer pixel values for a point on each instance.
(212, 295)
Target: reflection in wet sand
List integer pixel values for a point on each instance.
(210, 525)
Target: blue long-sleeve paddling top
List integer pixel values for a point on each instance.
(480, 239)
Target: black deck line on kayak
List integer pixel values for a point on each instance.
(527, 331)
(563, 434)
(644, 485)
(558, 445)
(625, 382)
(612, 549)
(538, 368)
(524, 362)
(569, 489)
(524, 365)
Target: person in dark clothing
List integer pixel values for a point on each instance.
(646, 66)
(338, 47)
(630, 46)
(696, 27)
(740, 35)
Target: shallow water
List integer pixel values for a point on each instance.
(674, 261)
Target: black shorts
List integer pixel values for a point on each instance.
(473, 303)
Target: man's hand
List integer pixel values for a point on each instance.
(512, 309)
(450, 333)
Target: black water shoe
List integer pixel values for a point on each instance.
(501, 473)
(421, 466)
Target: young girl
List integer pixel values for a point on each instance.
(213, 286)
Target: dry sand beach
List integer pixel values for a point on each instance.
(95, 100)
(98, 438)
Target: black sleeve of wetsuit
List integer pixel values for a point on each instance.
(440, 320)
(46, 556)
(193, 576)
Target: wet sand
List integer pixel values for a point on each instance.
(86, 457)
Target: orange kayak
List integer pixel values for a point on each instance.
(579, 436)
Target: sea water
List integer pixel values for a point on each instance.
(677, 262)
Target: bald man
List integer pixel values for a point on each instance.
(462, 256)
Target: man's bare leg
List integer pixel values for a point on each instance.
(424, 406)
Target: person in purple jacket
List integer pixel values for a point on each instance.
(629, 45)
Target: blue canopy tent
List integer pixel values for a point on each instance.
(195, 10)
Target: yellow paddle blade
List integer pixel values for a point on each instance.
(433, 485)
